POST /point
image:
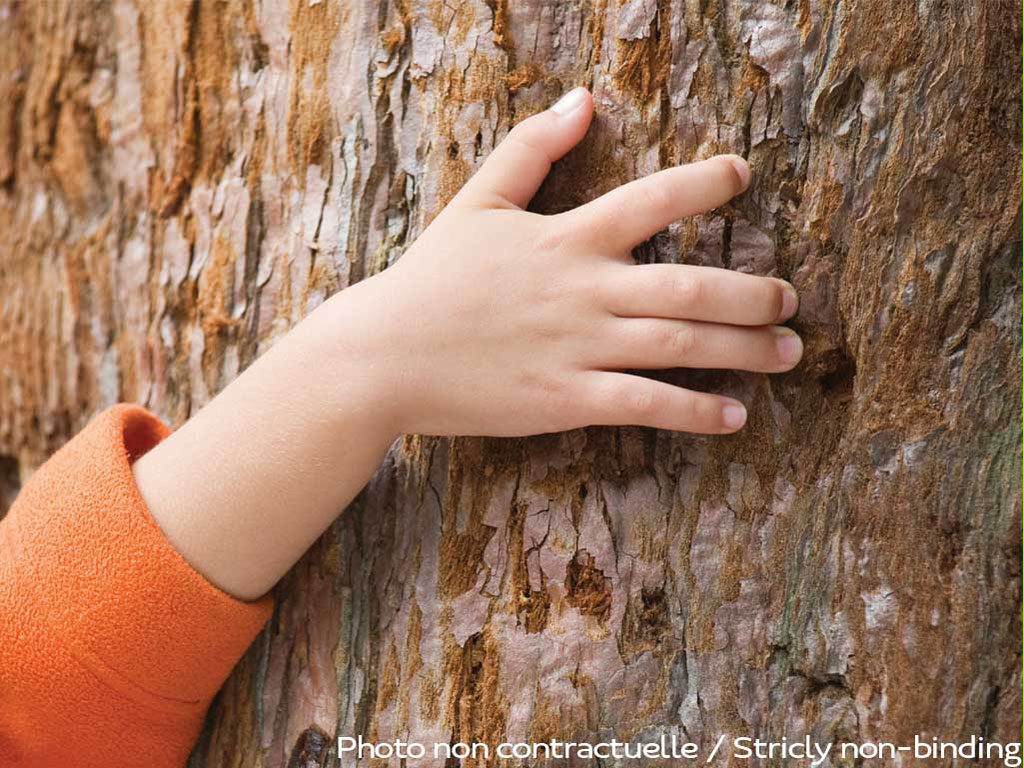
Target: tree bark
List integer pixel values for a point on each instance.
(180, 182)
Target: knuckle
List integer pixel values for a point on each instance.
(656, 195)
(688, 289)
(589, 292)
(707, 411)
(681, 340)
(557, 232)
(599, 401)
(517, 131)
(688, 410)
(520, 133)
(552, 391)
(560, 395)
(643, 400)
(700, 413)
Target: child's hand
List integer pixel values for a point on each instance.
(496, 322)
(502, 322)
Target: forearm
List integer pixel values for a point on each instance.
(247, 484)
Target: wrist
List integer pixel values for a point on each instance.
(341, 355)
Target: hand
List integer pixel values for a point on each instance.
(498, 321)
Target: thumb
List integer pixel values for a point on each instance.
(514, 171)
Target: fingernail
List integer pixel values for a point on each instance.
(734, 416)
(790, 301)
(570, 101)
(788, 346)
(742, 170)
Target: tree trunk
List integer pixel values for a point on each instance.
(181, 182)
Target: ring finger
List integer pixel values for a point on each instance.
(650, 343)
(697, 293)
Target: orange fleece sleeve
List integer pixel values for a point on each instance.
(111, 645)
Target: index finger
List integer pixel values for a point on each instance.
(626, 216)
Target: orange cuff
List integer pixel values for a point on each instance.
(132, 608)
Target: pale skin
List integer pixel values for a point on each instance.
(497, 322)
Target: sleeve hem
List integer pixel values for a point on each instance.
(135, 611)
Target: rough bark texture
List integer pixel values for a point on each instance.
(181, 181)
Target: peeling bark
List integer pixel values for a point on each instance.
(181, 182)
